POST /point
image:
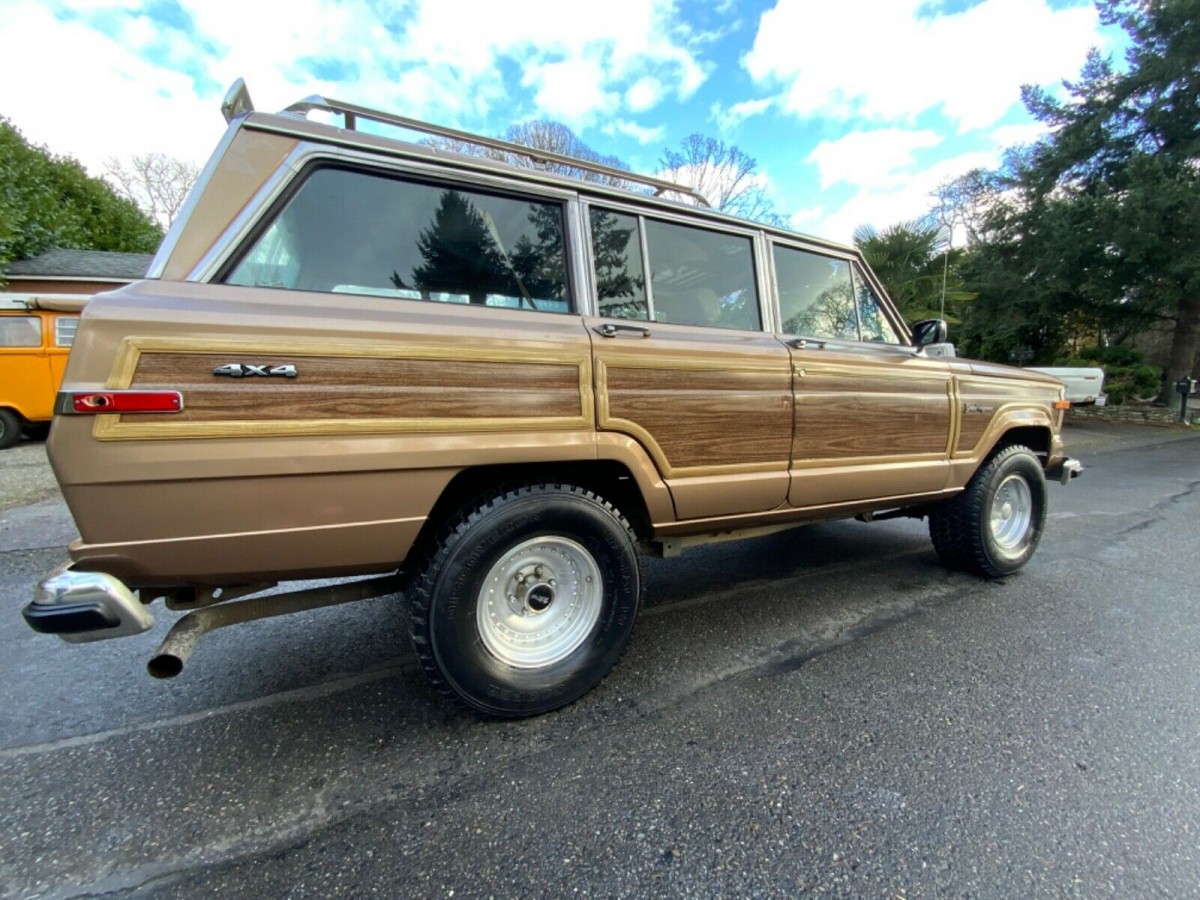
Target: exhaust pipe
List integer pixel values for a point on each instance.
(180, 642)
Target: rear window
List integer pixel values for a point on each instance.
(354, 232)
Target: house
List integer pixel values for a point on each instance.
(85, 272)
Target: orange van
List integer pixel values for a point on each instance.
(36, 332)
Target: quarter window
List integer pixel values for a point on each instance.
(875, 326)
(816, 297)
(696, 276)
(64, 330)
(358, 233)
(617, 253)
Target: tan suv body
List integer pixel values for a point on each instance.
(355, 356)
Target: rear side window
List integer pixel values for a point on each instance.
(816, 297)
(358, 233)
(696, 276)
(20, 331)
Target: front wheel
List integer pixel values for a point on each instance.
(994, 526)
(528, 600)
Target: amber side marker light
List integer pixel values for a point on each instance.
(90, 403)
(1062, 404)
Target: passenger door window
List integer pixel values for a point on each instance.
(353, 232)
(696, 276)
(816, 296)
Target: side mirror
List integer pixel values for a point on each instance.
(930, 331)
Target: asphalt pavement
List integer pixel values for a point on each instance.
(826, 711)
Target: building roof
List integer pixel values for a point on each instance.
(95, 265)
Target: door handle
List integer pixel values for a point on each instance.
(805, 344)
(613, 329)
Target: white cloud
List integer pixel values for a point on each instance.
(735, 115)
(871, 159)
(97, 99)
(570, 91)
(644, 94)
(639, 133)
(825, 63)
(886, 205)
(429, 59)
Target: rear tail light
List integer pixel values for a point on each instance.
(90, 403)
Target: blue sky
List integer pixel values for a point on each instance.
(855, 109)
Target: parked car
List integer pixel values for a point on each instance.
(1085, 386)
(35, 337)
(496, 388)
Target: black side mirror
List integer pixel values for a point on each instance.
(929, 331)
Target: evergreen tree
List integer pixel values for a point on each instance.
(1100, 221)
(50, 201)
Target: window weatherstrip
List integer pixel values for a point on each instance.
(649, 288)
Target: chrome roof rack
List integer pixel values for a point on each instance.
(238, 103)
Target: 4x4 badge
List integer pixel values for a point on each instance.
(245, 370)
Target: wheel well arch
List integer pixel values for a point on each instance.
(609, 479)
(1035, 437)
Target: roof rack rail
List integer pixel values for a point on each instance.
(351, 113)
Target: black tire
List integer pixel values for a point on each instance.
(10, 429)
(993, 527)
(519, 545)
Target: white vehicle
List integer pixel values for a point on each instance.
(1084, 386)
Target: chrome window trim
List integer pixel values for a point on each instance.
(578, 234)
(647, 275)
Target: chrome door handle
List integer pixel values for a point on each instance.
(612, 329)
(805, 344)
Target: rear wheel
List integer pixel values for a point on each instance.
(10, 429)
(993, 527)
(528, 600)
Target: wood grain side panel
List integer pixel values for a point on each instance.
(366, 388)
(701, 419)
(352, 388)
(842, 426)
(982, 400)
(857, 413)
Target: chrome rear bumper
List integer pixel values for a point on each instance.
(85, 606)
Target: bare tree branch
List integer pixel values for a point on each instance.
(157, 183)
(726, 176)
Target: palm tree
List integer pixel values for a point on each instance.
(916, 269)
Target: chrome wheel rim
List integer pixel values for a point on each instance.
(539, 602)
(1011, 515)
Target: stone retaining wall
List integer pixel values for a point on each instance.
(1138, 415)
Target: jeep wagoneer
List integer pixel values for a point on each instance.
(494, 388)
